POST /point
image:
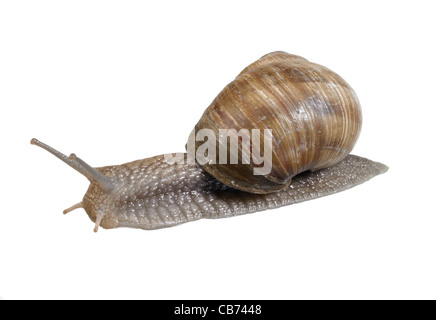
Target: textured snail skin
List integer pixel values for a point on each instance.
(314, 115)
(152, 194)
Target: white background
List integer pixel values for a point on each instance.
(115, 81)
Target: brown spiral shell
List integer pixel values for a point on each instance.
(313, 113)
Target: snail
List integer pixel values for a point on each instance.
(311, 120)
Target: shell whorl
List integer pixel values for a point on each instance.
(313, 113)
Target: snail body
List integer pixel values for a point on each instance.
(314, 118)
